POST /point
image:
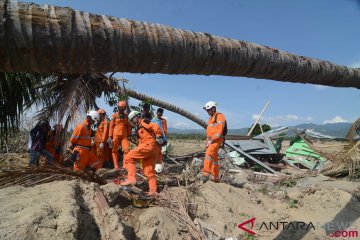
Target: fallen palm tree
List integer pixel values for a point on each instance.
(51, 39)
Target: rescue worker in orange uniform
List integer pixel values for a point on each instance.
(149, 141)
(214, 140)
(160, 121)
(101, 137)
(54, 142)
(81, 143)
(119, 132)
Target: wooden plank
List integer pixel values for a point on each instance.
(258, 119)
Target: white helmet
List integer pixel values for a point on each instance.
(209, 105)
(132, 114)
(94, 115)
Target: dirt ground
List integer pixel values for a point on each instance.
(309, 208)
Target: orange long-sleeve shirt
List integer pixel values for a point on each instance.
(148, 135)
(119, 125)
(102, 133)
(82, 134)
(215, 129)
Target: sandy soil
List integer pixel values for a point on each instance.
(183, 147)
(72, 209)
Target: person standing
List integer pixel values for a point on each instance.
(119, 132)
(81, 143)
(149, 142)
(101, 137)
(54, 142)
(163, 126)
(146, 112)
(215, 132)
(38, 136)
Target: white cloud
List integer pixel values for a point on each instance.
(291, 117)
(355, 65)
(320, 87)
(336, 119)
(282, 120)
(179, 125)
(309, 118)
(255, 116)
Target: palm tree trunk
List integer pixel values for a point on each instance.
(168, 106)
(49, 39)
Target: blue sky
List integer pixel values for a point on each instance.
(321, 29)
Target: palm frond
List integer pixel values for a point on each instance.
(354, 131)
(29, 177)
(15, 90)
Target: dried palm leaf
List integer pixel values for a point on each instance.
(37, 175)
(176, 206)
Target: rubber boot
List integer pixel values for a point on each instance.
(116, 161)
(215, 179)
(204, 178)
(131, 178)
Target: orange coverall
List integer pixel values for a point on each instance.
(101, 136)
(81, 139)
(146, 150)
(120, 129)
(214, 133)
(52, 144)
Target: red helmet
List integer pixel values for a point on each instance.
(122, 105)
(101, 111)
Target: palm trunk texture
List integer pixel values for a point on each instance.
(50, 39)
(168, 106)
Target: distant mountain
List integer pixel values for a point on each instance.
(186, 131)
(241, 131)
(332, 129)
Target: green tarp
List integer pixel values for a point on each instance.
(300, 153)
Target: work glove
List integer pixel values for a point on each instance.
(159, 168)
(208, 143)
(101, 146)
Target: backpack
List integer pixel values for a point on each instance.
(225, 130)
(158, 122)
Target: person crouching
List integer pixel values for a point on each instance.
(81, 143)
